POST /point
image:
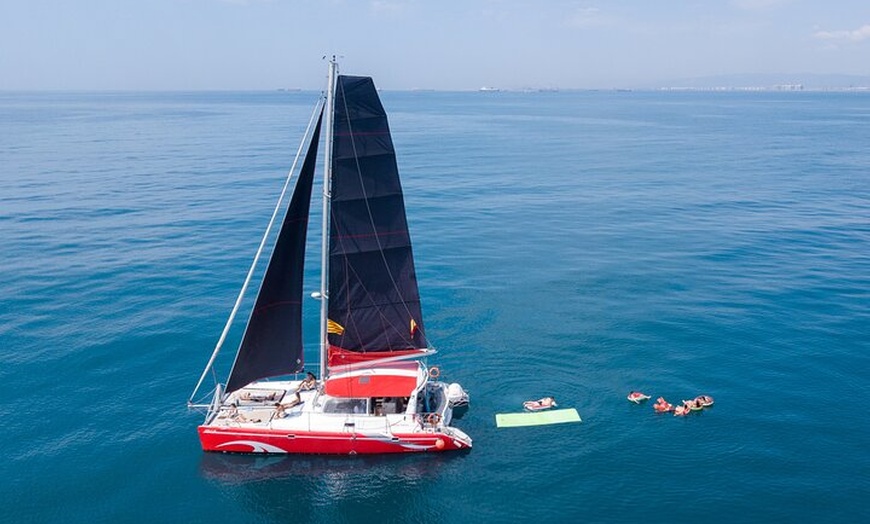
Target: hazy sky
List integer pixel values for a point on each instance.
(442, 44)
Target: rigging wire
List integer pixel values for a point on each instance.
(220, 342)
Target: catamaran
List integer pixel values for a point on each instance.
(376, 394)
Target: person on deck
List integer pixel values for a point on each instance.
(308, 383)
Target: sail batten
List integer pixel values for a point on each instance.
(272, 342)
(373, 292)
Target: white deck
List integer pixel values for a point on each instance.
(256, 407)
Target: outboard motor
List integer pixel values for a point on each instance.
(456, 396)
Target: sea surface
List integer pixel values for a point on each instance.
(574, 244)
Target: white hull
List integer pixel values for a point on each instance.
(254, 420)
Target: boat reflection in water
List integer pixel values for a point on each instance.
(329, 488)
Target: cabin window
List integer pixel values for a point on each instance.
(346, 405)
(389, 405)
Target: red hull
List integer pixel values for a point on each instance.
(239, 440)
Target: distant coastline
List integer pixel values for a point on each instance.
(779, 88)
(807, 82)
(725, 83)
(778, 82)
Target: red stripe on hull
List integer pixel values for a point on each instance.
(241, 440)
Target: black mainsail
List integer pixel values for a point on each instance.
(272, 343)
(374, 303)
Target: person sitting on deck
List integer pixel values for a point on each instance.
(235, 415)
(307, 384)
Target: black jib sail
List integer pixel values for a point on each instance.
(272, 344)
(374, 304)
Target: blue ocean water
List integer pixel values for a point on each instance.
(575, 244)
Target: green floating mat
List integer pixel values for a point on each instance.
(537, 418)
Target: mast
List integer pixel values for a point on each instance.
(327, 188)
(242, 292)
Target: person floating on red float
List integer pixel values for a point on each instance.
(637, 397)
(540, 404)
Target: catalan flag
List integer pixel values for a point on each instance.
(334, 327)
(413, 327)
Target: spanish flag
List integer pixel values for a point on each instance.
(334, 327)
(413, 327)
